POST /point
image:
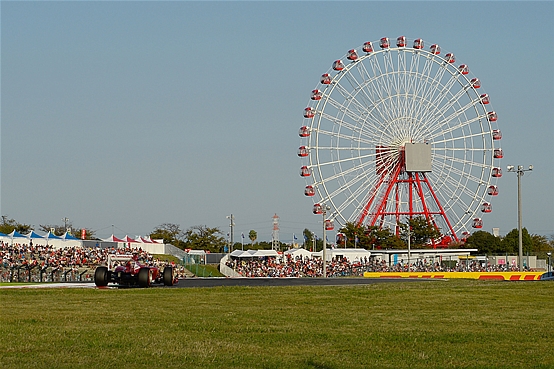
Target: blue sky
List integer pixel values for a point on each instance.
(135, 114)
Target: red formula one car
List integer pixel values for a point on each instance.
(127, 271)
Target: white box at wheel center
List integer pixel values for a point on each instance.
(418, 157)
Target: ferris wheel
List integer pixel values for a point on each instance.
(393, 132)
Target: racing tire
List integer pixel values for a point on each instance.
(168, 276)
(144, 277)
(101, 277)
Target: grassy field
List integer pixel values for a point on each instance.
(438, 324)
(201, 270)
(164, 257)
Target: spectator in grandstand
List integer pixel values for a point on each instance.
(313, 267)
(19, 260)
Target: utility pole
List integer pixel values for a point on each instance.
(409, 244)
(520, 171)
(325, 208)
(232, 226)
(65, 220)
(275, 234)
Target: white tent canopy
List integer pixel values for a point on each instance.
(352, 255)
(67, 240)
(253, 253)
(294, 253)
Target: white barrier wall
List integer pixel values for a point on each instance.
(152, 248)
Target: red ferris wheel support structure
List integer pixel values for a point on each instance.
(405, 193)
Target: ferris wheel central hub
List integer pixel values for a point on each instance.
(417, 157)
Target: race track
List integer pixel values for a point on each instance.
(282, 282)
(243, 282)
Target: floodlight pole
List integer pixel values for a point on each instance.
(344, 237)
(409, 246)
(232, 226)
(325, 208)
(520, 171)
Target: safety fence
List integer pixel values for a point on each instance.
(37, 273)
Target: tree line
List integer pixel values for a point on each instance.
(200, 237)
(420, 231)
(8, 225)
(487, 243)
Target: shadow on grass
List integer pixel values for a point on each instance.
(311, 363)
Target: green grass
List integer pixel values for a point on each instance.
(168, 258)
(201, 270)
(432, 324)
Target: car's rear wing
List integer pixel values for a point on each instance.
(115, 258)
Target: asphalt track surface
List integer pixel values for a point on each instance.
(242, 282)
(286, 282)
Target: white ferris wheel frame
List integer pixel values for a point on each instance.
(390, 97)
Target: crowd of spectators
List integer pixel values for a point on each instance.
(29, 262)
(294, 267)
(429, 266)
(313, 267)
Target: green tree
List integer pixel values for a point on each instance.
(422, 232)
(60, 230)
(384, 238)
(56, 229)
(170, 233)
(352, 231)
(263, 245)
(252, 235)
(308, 238)
(9, 225)
(485, 242)
(369, 237)
(540, 244)
(89, 234)
(202, 237)
(510, 243)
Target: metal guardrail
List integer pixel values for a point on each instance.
(48, 274)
